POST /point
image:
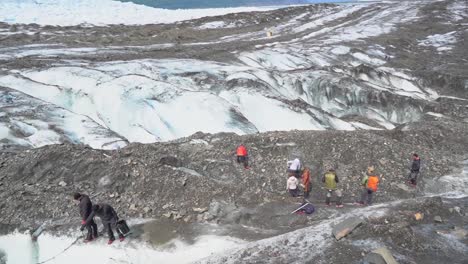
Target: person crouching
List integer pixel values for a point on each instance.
(109, 220)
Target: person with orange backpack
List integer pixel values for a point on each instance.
(242, 156)
(370, 183)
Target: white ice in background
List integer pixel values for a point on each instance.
(442, 42)
(297, 82)
(30, 122)
(20, 250)
(101, 12)
(216, 24)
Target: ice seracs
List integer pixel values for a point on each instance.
(102, 12)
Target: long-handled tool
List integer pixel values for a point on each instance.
(302, 206)
(61, 252)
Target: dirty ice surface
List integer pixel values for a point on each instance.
(20, 250)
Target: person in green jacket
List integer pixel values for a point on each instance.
(331, 179)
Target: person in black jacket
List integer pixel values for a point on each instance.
(85, 207)
(414, 170)
(109, 219)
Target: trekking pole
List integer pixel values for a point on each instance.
(302, 206)
(60, 253)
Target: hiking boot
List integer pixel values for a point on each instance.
(327, 204)
(339, 206)
(110, 241)
(121, 239)
(87, 240)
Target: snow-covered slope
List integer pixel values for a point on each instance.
(102, 12)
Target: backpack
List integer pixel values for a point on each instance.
(309, 209)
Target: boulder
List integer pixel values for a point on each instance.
(437, 219)
(200, 210)
(380, 256)
(347, 226)
(170, 161)
(418, 216)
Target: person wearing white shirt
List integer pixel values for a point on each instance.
(291, 186)
(294, 167)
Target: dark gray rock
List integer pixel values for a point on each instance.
(347, 226)
(380, 256)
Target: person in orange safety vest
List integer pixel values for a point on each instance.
(371, 184)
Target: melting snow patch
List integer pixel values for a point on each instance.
(340, 50)
(4, 131)
(436, 114)
(20, 249)
(217, 24)
(440, 41)
(367, 59)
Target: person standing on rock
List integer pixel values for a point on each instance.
(294, 167)
(85, 206)
(109, 220)
(331, 179)
(370, 183)
(414, 170)
(292, 187)
(306, 182)
(242, 156)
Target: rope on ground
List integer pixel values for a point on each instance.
(63, 251)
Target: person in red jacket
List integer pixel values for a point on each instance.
(242, 156)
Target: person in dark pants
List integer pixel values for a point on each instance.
(242, 156)
(331, 180)
(370, 184)
(414, 170)
(109, 220)
(85, 206)
(292, 186)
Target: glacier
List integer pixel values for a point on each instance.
(315, 72)
(102, 12)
